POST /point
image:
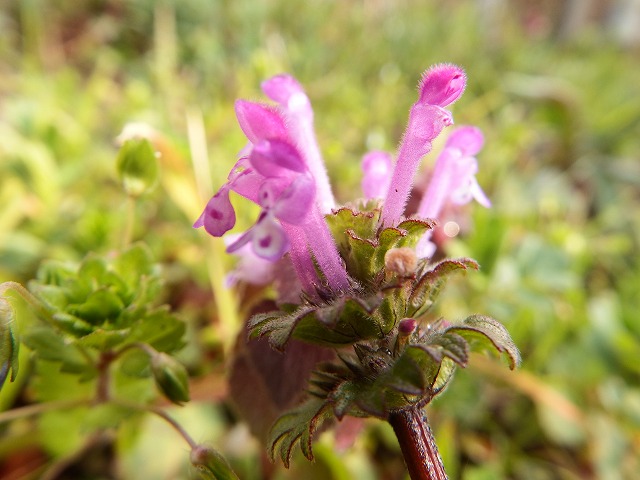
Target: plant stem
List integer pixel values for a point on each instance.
(418, 446)
(160, 413)
(40, 408)
(129, 221)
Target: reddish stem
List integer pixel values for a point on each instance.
(418, 446)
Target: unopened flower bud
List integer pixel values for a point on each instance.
(401, 261)
(212, 463)
(137, 166)
(170, 377)
(407, 326)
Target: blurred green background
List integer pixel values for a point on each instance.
(554, 87)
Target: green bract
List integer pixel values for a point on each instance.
(388, 371)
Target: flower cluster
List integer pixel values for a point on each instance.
(364, 270)
(282, 170)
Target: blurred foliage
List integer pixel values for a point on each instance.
(559, 251)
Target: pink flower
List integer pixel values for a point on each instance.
(274, 173)
(453, 179)
(281, 169)
(440, 86)
(376, 167)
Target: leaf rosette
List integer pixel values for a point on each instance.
(102, 304)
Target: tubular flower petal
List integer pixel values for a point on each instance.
(377, 168)
(244, 180)
(297, 110)
(453, 177)
(425, 124)
(468, 139)
(440, 86)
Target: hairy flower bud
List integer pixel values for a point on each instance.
(407, 326)
(401, 261)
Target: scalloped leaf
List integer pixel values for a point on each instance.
(486, 333)
(48, 345)
(343, 322)
(428, 285)
(359, 256)
(406, 234)
(363, 224)
(453, 346)
(278, 326)
(354, 323)
(103, 340)
(99, 306)
(297, 426)
(343, 397)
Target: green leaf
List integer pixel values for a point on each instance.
(342, 322)
(428, 285)
(99, 306)
(48, 345)
(52, 272)
(484, 333)
(92, 271)
(137, 166)
(133, 263)
(297, 426)
(362, 224)
(9, 346)
(406, 234)
(103, 340)
(359, 256)
(72, 324)
(160, 329)
(453, 346)
(53, 296)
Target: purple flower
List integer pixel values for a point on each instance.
(296, 108)
(376, 167)
(267, 238)
(453, 179)
(440, 86)
(281, 169)
(218, 216)
(249, 268)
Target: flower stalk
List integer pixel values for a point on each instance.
(417, 444)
